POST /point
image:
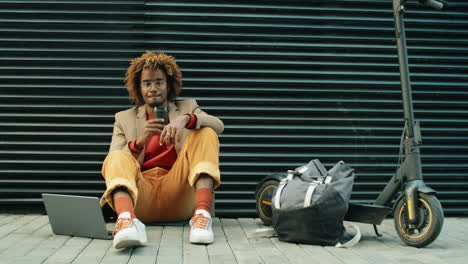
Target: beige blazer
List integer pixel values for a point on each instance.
(129, 124)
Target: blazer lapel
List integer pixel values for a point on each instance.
(173, 111)
(140, 121)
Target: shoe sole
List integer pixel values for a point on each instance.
(201, 241)
(128, 243)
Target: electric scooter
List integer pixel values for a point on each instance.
(418, 214)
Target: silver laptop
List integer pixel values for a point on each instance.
(79, 216)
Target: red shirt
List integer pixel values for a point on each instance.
(159, 155)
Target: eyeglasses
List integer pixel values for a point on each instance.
(158, 84)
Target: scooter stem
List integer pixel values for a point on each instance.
(411, 167)
(398, 10)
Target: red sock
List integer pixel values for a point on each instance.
(203, 198)
(124, 204)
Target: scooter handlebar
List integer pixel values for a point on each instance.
(437, 4)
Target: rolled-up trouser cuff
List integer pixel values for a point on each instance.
(116, 183)
(120, 169)
(205, 168)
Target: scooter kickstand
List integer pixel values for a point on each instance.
(377, 231)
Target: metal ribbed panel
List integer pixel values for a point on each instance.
(292, 80)
(61, 65)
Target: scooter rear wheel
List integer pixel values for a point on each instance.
(431, 219)
(263, 200)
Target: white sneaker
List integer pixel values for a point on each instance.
(200, 228)
(128, 232)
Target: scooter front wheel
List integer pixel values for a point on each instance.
(427, 229)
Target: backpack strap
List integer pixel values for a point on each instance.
(278, 193)
(290, 176)
(308, 196)
(281, 185)
(328, 179)
(353, 241)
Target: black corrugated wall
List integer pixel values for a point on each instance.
(292, 81)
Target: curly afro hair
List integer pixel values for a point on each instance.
(153, 61)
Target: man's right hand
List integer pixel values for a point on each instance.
(153, 127)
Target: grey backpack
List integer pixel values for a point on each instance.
(310, 204)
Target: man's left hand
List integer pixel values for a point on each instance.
(172, 131)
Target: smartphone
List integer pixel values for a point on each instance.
(161, 113)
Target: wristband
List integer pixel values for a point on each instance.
(133, 148)
(192, 122)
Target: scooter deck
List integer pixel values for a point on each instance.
(367, 213)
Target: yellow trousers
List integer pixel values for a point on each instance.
(158, 194)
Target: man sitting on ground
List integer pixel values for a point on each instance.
(156, 171)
